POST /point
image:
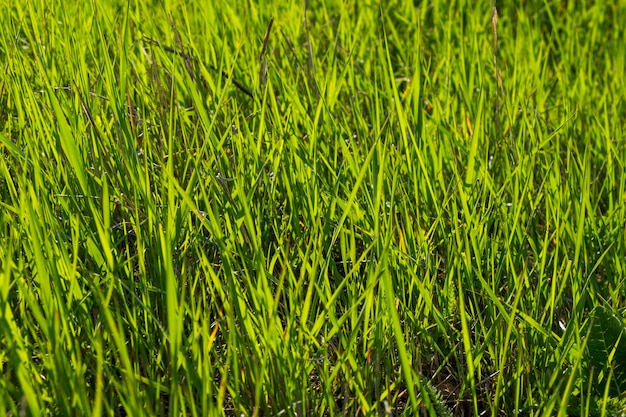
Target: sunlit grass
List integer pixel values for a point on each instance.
(223, 208)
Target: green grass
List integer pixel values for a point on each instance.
(357, 208)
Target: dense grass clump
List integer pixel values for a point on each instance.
(313, 208)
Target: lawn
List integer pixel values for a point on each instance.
(312, 208)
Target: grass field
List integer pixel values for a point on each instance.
(312, 208)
